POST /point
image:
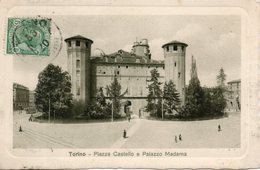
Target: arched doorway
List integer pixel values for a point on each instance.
(127, 108)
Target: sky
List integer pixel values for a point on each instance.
(214, 41)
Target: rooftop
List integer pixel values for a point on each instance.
(174, 42)
(234, 81)
(20, 86)
(122, 56)
(78, 37)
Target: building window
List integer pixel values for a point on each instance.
(118, 66)
(78, 91)
(117, 72)
(69, 43)
(77, 43)
(78, 63)
(148, 66)
(175, 64)
(167, 48)
(104, 72)
(78, 73)
(175, 48)
(86, 45)
(163, 67)
(179, 75)
(126, 66)
(182, 48)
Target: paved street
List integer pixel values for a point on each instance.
(141, 133)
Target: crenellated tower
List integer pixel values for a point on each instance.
(79, 51)
(174, 54)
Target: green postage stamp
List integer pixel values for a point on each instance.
(29, 36)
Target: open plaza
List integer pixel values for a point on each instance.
(141, 133)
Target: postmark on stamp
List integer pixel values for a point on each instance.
(29, 36)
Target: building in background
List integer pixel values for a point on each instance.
(132, 69)
(20, 97)
(32, 106)
(234, 96)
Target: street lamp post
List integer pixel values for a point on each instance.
(112, 119)
(162, 109)
(49, 109)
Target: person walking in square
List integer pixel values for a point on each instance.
(180, 137)
(219, 128)
(20, 129)
(30, 119)
(124, 134)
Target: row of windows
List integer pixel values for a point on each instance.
(77, 44)
(118, 72)
(138, 91)
(78, 66)
(175, 48)
(147, 67)
(21, 104)
(235, 86)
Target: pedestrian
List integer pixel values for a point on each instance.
(129, 118)
(30, 118)
(176, 139)
(180, 138)
(124, 134)
(219, 128)
(20, 129)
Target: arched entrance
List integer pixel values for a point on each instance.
(127, 108)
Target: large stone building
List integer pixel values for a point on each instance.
(32, 105)
(20, 97)
(234, 96)
(132, 69)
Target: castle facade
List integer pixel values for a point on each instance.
(132, 69)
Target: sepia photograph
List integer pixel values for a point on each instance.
(126, 81)
(129, 84)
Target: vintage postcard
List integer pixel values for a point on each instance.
(113, 84)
